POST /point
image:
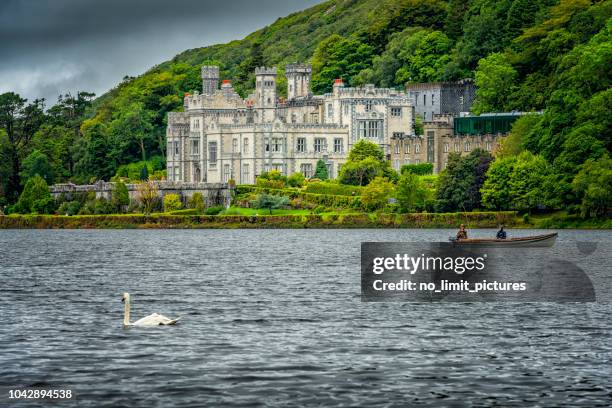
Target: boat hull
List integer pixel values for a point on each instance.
(538, 241)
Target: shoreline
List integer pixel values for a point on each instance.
(331, 221)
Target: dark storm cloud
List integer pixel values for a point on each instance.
(48, 47)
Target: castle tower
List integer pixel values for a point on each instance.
(210, 79)
(265, 87)
(298, 80)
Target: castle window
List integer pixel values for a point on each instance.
(177, 174)
(368, 106)
(177, 148)
(245, 148)
(417, 148)
(338, 145)
(195, 147)
(407, 161)
(445, 147)
(397, 112)
(319, 145)
(361, 130)
(277, 144)
(226, 173)
(246, 174)
(170, 170)
(235, 146)
(330, 110)
(424, 99)
(433, 98)
(457, 147)
(375, 128)
(489, 146)
(212, 153)
(417, 161)
(293, 118)
(306, 169)
(301, 145)
(267, 145)
(406, 147)
(396, 164)
(346, 108)
(397, 147)
(466, 146)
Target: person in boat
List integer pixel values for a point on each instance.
(462, 233)
(501, 234)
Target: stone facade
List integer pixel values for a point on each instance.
(437, 141)
(221, 136)
(213, 193)
(435, 98)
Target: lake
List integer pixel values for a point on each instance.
(275, 317)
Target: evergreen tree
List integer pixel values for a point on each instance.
(321, 171)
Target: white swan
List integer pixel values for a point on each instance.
(151, 320)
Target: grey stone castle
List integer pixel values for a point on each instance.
(446, 98)
(220, 136)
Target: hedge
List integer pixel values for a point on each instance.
(357, 220)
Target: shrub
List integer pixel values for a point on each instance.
(45, 205)
(148, 196)
(421, 169)
(321, 170)
(296, 180)
(196, 201)
(269, 202)
(376, 194)
(69, 208)
(120, 197)
(103, 206)
(333, 188)
(172, 202)
(214, 210)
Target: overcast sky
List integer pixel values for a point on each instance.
(48, 47)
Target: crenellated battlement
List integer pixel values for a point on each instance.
(266, 71)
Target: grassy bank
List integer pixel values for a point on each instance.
(330, 220)
(326, 220)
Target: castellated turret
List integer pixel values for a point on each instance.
(210, 79)
(298, 80)
(265, 86)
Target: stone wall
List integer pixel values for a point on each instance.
(213, 193)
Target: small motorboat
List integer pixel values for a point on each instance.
(546, 240)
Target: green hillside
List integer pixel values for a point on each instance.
(547, 55)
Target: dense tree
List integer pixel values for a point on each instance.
(338, 57)
(461, 181)
(592, 184)
(411, 193)
(366, 160)
(19, 121)
(524, 182)
(35, 197)
(37, 163)
(495, 81)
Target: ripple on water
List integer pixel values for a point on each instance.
(275, 317)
